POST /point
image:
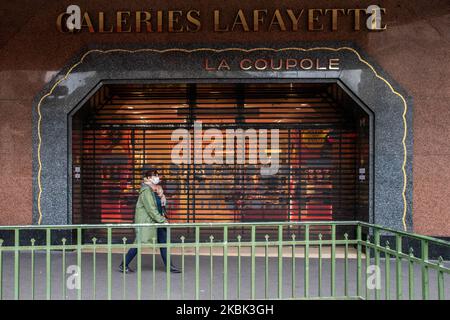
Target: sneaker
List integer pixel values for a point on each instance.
(127, 269)
(174, 270)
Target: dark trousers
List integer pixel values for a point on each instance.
(161, 238)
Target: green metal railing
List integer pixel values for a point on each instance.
(313, 260)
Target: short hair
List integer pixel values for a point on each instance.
(150, 173)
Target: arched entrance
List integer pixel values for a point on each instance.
(322, 152)
(389, 115)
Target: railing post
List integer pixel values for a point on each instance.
(94, 267)
(387, 273)
(398, 265)
(280, 261)
(306, 260)
(424, 260)
(225, 262)
(79, 290)
(253, 262)
(154, 267)
(48, 264)
(377, 258)
(139, 265)
(411, 274)
(63, 273)
(358, 257)
(16, 265)
(124, 281)
(367, 265)
(32, 268)
(266, 267)
(109, 262)
(197, 263)
(182, 267)
(1, 269)
(320, 266)
(440, 279)
(168, 264)
(239, 267)
(333, 260)
(346, 265)
(211, 267)
(294, 280)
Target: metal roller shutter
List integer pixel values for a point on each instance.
(125, 129)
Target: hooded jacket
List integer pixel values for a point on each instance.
(147, 212)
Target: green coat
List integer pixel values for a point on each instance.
(147, 212)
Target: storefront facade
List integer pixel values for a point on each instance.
(93, 109)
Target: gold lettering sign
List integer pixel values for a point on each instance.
(273, 64)
(240, 20)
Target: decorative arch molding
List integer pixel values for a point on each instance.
(390, 111)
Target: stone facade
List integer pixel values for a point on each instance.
(411, 55)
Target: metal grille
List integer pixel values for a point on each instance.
(126, 129)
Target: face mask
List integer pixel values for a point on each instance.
(154, 180)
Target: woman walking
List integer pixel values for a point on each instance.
(149, 209)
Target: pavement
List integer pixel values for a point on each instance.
(124, 286)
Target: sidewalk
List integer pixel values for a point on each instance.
(125, 286)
